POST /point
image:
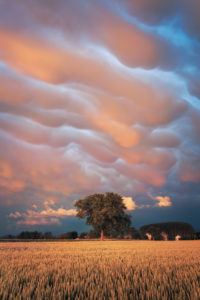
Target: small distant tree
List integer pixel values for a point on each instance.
(133, 233)
(83, 235)
(8, 237)
(197, 235)
(105, 212)
(60, 236)
(67, 235)
(92, 234)
(48, 235)
(30, 235)
(72, 235)
(164, 236)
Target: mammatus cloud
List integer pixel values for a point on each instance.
(97, 96)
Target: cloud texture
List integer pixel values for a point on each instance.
(97, 96)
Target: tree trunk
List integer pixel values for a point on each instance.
(102, 235)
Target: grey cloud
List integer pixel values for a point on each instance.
(151, 11)
(164, 139)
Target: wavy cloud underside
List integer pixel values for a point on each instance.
(97, 96)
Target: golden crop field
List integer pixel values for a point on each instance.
(100, 270)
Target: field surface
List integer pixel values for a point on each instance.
(100, 270)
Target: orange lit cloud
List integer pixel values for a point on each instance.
(15, 215)
(5, 170)
(129, 203)
(163, 201)
(44, 217)
(96, 97)
(11, 186)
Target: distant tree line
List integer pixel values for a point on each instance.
(157, 231)
(36, 235)
(169, 231)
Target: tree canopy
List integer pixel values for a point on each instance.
(105, 212)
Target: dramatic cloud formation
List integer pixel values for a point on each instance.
(98, 96)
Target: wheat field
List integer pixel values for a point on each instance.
(100, 270)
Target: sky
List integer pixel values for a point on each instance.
(98, 96)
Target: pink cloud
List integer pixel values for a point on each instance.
(44, 217)
(5, 169)
(15, 215)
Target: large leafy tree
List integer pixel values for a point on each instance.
(105, 212)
